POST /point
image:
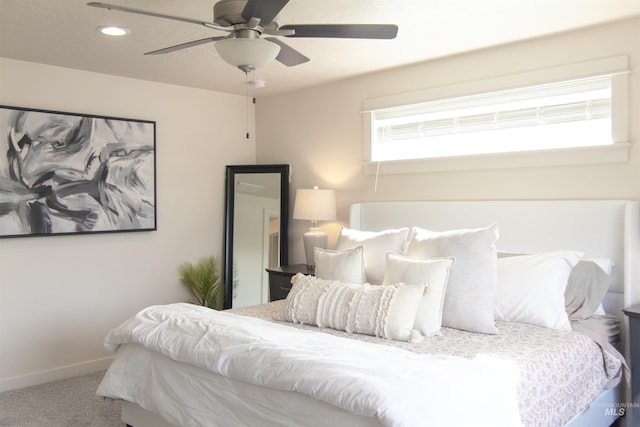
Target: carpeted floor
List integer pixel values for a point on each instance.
(70, 402)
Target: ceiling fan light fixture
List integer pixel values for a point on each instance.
(247, 54)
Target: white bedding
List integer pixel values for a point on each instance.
(398, 387)
(555, 366)
(462, 378)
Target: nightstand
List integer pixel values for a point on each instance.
(633, 313)
(280, 279)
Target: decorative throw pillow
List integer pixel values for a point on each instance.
(383, 311)
(469, 299)
(302, 300)
(530, 288)
(433, 273)
(344, 266)
(376, 245)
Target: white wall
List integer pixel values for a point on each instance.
(60, 295)
(319, 130)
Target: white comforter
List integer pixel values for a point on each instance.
(396, 386)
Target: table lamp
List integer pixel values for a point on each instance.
(314, 205)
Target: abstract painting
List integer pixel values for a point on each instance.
(65, 173)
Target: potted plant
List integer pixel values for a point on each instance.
(203, 280)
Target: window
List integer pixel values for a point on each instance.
(568, 114)
(574, 113)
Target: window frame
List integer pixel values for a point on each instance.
(616, 67)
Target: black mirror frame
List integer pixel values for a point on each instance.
(232, 170)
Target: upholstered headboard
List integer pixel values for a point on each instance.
(600, 228)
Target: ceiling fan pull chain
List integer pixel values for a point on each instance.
(253, 101)
(248, 125)
(246, 77)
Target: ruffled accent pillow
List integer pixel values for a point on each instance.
(387, 311)
(302, 299)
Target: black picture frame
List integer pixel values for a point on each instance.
(66, 173)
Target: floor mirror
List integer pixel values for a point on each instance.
(256, 224)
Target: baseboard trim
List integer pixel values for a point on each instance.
(54, 374)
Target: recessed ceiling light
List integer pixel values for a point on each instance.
(113, 31)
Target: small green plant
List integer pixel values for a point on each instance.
(203, 280)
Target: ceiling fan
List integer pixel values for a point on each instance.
(246, 21)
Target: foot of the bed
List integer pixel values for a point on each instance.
(134, 415)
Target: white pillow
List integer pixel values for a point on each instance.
(586, 287)
(302, 299)
(376, 245)
(345, 266)
(433, 273)
(469, 299)
(605, 264)
(382, 311)
(530, 288)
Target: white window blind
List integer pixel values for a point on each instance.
(566, 114)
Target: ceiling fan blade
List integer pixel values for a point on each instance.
(344, 31)
(288, 55)
(158, 15)
(186, 45)
(265, 10)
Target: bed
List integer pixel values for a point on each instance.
(264, 375)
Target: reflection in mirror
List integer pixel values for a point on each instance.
(257, 206)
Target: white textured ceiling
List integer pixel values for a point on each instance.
(63, 33)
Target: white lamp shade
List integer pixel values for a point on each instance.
(247, 52)
(315, 205)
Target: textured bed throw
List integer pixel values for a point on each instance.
(398, 387)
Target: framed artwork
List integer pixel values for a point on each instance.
(66, 173)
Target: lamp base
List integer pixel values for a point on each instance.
(314, 238)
